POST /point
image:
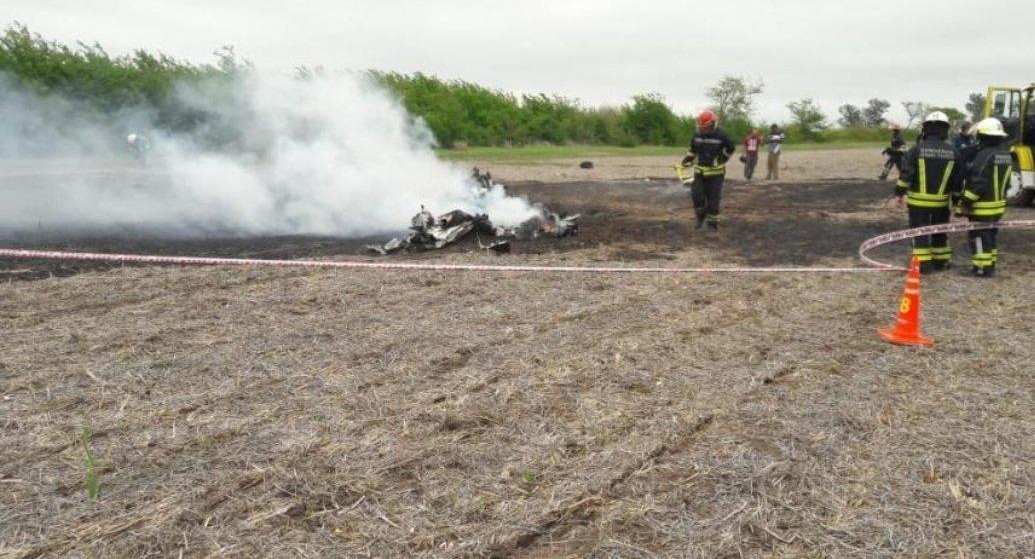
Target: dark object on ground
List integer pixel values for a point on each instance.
(586, 165)
(743, 159)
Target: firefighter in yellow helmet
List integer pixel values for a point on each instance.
(983, 198)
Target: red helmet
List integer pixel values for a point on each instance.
(706, 120)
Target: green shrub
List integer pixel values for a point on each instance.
(88, 79)
(98, 83)
(461, 112)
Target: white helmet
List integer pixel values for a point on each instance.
(989, 127)
(132, 139)
(937, 116)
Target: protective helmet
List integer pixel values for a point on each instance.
(132, 138)
(894, 126)
(989, 127)
(937, 116)
(706, 120)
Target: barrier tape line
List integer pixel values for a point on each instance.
(872, 265)
(904, 234)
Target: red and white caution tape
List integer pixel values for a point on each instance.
(204, 261)
(894, 236)
(871, 264)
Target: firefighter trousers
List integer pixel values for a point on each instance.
(933, 251)
(706, 193)
(983, 251)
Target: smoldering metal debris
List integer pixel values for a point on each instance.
(430, 232)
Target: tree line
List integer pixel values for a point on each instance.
(98, 85)
(457, 112)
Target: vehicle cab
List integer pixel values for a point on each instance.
(1013, 107)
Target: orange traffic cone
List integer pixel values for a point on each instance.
(907, 328)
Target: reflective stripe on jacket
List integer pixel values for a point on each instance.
(988, 179)
(930, 173)
(711, 150)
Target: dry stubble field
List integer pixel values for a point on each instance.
(330, 413)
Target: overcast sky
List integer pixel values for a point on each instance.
(601, 52)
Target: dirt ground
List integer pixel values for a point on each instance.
(337, 413)
(795, 166)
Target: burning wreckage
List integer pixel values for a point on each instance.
(432, 233)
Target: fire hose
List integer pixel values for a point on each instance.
(870, 264)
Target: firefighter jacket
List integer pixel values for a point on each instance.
(931, 172)
(898, 145)
(710, 151)
(987, 180)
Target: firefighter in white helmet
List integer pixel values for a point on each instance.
(983, 199)
(931, 172)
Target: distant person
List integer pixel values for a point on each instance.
(774, 144)
(931, 172)
(710, 149)
(964, 140)
(893, 153)
(752, 144)
(138, 146)
(983, 199)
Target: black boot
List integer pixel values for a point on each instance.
(700, 221)
(940, 265)
(926, 267)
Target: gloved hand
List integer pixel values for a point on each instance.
(688, 160)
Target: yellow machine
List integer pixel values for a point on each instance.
(1013, 106)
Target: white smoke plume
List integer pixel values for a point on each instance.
(328, 155)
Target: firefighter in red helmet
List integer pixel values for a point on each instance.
(709, 151)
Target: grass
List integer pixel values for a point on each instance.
(702, 416)
(531, 154)
(92, 487)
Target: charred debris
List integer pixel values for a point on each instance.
(430, 232)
